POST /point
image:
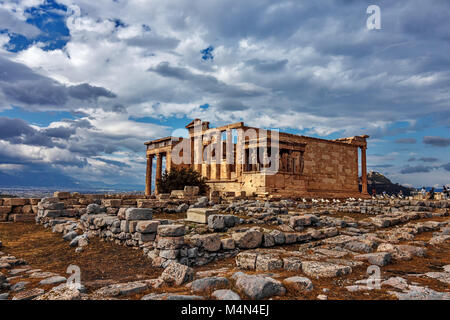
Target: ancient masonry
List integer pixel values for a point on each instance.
(333, 239)
(242, 160)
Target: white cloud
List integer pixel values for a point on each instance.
(286, 65)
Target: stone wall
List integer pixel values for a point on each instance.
(330, 170)
(73, 204)
(18, 209)
(330, 166)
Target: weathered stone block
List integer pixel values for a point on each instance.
(27, 209)
(267, 262)
(145, 203)
(268, 240)
(209, 283)
(170, 254)
(5, 210)
(112, 203)
(191, 190)
(52, 213)
(124, 226)
(132, 225)
(248, 240)
(246, 260)
(177, 194)
(170, 242)
(145, 237)
(290, 238)
(23, 217)
(324, 269)
(34, 201)
(15, 202)
(171, 230)
(278, 237)
(121, 213)
(221, 221)
(138, 214)
(292, 264)
(177, 273)
(299, 283)
(258, 287)
(200, 215)
(209, 242)
(61, 195)
(301, 221)
(228, 244)
(94, 208)
(378, 258)
(149, 226)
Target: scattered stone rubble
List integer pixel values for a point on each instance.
(264, 236)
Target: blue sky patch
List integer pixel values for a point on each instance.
(49, 18)
(207, 54)
(42, 119)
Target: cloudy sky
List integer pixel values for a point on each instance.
(83, 84)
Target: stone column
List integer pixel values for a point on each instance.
(290, 163)
(363, 170)
(229, 155)
(302, 162)
(254, 159)
(218, 155)
(168, 161)
(148, 176)
(208, 171)
(158, 170)
(192, 152)
(198, 155)
(284, 162)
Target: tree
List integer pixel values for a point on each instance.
(178, 179)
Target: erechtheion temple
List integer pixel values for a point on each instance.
(236, 158)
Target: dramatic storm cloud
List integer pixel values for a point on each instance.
(23, 86)
(91, 81)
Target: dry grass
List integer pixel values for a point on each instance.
(101, 263)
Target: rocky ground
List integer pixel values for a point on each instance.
(284, 249)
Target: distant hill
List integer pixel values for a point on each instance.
(381, 183)
(58, 181)
(36, 179)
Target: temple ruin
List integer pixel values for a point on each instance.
(238, 159)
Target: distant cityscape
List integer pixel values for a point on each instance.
(23, 192)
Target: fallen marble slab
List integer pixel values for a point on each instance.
(53, 280)
(321, 269)
(299, 283)
(29, 294)
(258, 287)
(121, 289)
(441, 276)
(168, 296)
(225, 294)
(421, 293)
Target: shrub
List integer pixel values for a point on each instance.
(177, 179)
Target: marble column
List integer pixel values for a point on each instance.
(158, 170)
(239, 156)
(168, 161)
(148, 176)
(363, 170)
